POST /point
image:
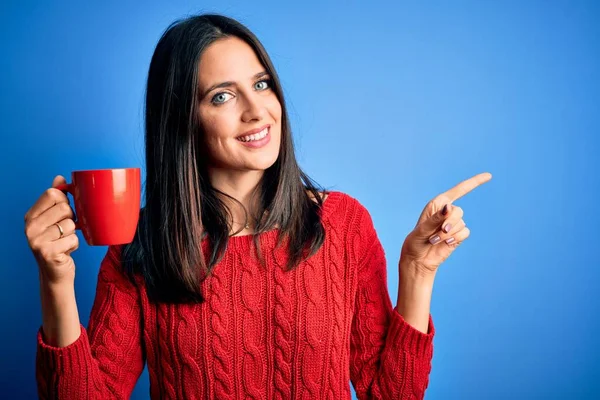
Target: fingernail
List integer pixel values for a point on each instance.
(434, 239)
(447, 228)
(445, 210)
(449, 240)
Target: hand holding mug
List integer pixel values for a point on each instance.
(107, 206)
(50, 232)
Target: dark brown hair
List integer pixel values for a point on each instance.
(181, 206)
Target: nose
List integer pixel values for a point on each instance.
(254, 108)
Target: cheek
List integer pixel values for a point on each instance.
(276, 110)
(216, 126)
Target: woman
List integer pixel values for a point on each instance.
(244, 279)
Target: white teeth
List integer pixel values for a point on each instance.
(256, 136)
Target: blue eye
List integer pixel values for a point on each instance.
(264, 84)
(220, 98)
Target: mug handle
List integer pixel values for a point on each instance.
(68, 188)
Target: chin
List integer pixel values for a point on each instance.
(263, 163)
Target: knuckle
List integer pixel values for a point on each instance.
(65, 208)
(50, 193)
(33, 231)
(55, 194)
(440, 200)
(69, 225)
(35, 244)
(458, 211)
(29, 231)
(46, 253)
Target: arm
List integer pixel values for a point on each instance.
(414, 296)
(103, 361)
(59, 313)
(390, 359)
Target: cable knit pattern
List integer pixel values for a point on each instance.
(336, 356)
(165, 338)
(262, 332)
(187, 347)
(221, 328)
(282, 315)
(314, 323)
(253, 301)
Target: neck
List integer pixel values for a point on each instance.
(241, 185)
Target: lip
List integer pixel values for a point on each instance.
(253, 131)
(259, 143)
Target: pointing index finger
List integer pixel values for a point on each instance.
(467, 186)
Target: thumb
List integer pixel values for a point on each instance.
(58, 180)
(433, 224)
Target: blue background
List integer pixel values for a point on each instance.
(392, 103)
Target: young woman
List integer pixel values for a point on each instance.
(245, 280)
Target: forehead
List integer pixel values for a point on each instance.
(228, 59)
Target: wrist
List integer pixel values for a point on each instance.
(412, 273)
(414, 289)
(56, 297)
(60, 317)
(414, 295)
(49, 286)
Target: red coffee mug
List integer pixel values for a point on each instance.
(107, 204)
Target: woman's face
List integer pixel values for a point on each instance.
(239, 112)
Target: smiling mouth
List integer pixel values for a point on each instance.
(255, 136)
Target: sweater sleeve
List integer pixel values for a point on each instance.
(389, 358)
(107, 358)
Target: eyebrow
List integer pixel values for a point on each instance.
(230, 83)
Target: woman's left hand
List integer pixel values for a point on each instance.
(440, 229)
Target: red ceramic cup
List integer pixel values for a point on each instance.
(107, 204)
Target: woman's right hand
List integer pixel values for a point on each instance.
(51, 250)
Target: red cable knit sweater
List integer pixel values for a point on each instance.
(261, 334)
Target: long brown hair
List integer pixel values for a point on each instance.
(181, 206)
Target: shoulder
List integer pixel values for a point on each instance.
(344, 210)
(323, 195)
(348, 222)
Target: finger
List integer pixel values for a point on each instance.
(56, 251)
(441, 235)
(447, 214)
(429, 226)
(458, 237)
(467, 186)
(47, 200)
(454, 217)
(52, 233)
(58, 180)
(56, 213)
(70, 245)
(73, 247)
